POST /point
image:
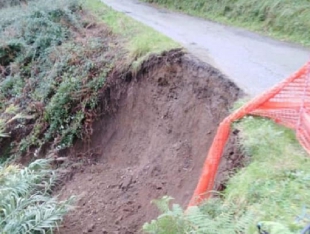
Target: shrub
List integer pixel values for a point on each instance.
(50, 74)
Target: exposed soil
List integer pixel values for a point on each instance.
(152, 144)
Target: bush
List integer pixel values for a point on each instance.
(50, 75)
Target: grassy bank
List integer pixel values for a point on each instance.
(50, 76)
(272, 190)
(275, 185)
(283, 19)
(139, 40)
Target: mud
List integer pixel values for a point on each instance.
(153, 142)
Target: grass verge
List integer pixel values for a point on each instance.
(283, 19)
(275, 186)
(273, 190)
(139, 40)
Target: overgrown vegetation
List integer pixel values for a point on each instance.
(272, 190)
(26, 205)
(51, 72)
(283, 19)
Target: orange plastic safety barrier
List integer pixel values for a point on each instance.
(288, 103)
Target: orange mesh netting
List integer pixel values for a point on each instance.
(287, 103)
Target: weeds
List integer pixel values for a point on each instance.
(210, 218)
(26, 205)
(283, 19)
(51, 74)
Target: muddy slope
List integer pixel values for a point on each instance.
(154, 144)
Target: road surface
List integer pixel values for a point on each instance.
(255, 63)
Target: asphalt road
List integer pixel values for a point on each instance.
(255, 63)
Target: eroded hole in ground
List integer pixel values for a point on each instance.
(154, 144)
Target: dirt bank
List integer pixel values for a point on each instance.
(154, 143)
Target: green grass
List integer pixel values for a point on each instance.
(139, 40)
(287, 20)
(276, 183)
(274, 189)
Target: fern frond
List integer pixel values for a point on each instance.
(211, 218)
(25, 205)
